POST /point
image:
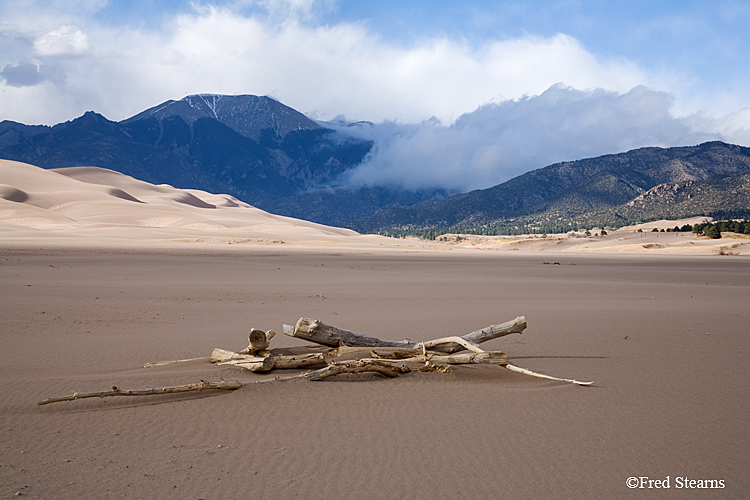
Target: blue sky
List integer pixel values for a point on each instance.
(427, 73)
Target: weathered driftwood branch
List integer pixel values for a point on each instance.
(382, 352)
(262, 363)
(162, 363)
(541, 375)
(116, 391)
(461, 358)
(439, 344)
(258, 340)
(289, 361)
(321, 333)
(358, 366)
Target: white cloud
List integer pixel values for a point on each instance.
(64, 41)
(321, 69)
(499, 141)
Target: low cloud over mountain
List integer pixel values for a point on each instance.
(500, 141)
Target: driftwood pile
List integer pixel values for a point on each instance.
(341, 351)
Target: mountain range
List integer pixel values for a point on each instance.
(254, 148)
(276, 158)
(611, 190)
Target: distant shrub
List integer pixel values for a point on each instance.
(712, 231)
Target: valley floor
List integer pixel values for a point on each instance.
(664, 337)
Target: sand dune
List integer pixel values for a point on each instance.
(95, 206)
(92, 207)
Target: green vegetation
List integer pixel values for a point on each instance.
(710, 229)
(714, 229)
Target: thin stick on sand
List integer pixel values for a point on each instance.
(163, 363)
(518, 369)
(337, 368)
(116, 391)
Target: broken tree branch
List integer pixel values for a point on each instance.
(289, 361)
(541, 375)
(116, 391)
(321, 333)
(491, 332)
(468, 358)
(263, 363)
(358, 366)
(162, 363)
(258, 340)
(436, 344)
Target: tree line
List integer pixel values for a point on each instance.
(710, 229)
(714, 229)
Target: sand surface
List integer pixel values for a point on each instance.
(664, 339)
(94, 285)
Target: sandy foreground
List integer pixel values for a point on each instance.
(662, 334)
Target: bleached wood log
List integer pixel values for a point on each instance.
(116, 391)
(358, 366)
(466, 358)
(491, 332)
(289, 361)
(338, 367)
(221, 355)
(258, 340)
(382, 352)
(436, 344)
(321, 333)
(263, 362)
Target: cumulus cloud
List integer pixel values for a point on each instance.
(502, 140)
(65, 41)
(322, 69)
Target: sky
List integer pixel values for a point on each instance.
(462, 94)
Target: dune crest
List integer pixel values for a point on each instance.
(86, 204)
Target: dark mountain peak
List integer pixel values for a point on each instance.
(91, 117)
(247, 115)
(89, 122)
